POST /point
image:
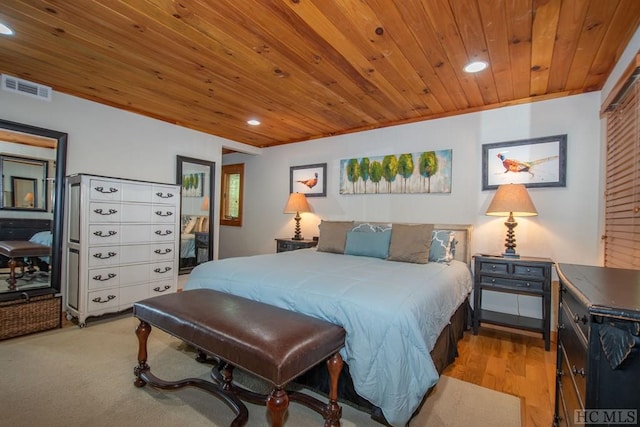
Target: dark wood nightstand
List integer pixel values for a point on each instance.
(525, 276)
(284, 245)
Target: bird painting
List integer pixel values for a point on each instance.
(310, 183)
(512, 165)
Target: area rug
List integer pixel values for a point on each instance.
(78, 377)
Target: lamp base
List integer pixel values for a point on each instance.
(297, 235)
(510, 255)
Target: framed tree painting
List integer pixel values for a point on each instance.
(538, 162)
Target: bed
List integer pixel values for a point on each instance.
(397, 314)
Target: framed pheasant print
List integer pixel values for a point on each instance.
(310, 180)
(538, 162)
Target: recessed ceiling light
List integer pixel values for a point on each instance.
(476, 66)
(4, 30)
(253, 122)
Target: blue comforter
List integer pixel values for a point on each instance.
(393, 312)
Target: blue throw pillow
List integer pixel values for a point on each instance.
(443, 246)
(368, 244)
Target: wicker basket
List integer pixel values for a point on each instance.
(25, 316)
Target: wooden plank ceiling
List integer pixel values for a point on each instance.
(313, 68)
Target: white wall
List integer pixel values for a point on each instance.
(565, 230)
(111, 142)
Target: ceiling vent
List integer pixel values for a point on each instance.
(24, 87)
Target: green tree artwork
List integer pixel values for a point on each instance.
(406, 173)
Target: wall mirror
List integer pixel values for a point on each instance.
(24, 183)
(231, 195)
(33, 165)
(196, 177)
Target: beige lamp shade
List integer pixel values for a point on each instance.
(205, 204)
(297, 203)
(512, 199)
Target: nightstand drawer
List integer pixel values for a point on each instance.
(528, 270)
(494, 267)
(511, 284)
(284, 246)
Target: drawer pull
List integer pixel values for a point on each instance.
(528, 270)
(109, 212)
(528, 285)
(160, 213)
(166, 288)
(103, 191)
(161, 252)
(109, 233)
(164, 195)
(165, 233)
(161, 271)
(100, 301)
(577, 371)
(99, 277)
(109, 255)
(493, 267)
(578, 319)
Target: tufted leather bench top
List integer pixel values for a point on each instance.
(270, 342)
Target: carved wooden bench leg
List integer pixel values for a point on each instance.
(142, 332)
(277, 404)
(333, 411)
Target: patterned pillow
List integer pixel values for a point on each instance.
(374, 245)
(443, 246)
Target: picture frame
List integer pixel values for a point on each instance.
(422, 172)
(310, 180)
(535, 162)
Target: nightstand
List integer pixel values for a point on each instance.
(284, 245)
(524, 276)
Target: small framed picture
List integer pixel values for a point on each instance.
(538, 162)
(310, 180)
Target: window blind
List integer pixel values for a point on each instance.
(622, 182)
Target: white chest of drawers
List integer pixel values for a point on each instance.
(121, 243)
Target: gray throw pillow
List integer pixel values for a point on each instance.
(333, 236)
(410, 243)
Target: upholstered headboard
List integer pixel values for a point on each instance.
(462, 233)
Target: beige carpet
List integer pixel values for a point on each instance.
(84, 377)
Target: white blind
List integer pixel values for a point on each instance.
(622, 197)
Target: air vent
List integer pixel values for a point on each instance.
(24, 87)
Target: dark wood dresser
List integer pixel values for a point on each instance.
(598, 346)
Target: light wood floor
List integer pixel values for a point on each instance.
(511, 363)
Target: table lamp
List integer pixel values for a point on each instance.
(511, 200)
(297, 203)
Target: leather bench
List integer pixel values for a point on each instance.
(17, 250)
(274, 344)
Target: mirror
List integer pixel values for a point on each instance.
(231, 196)
(24, 183)
(33, 165)
(196, 177)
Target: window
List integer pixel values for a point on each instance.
(231, 195)
(622, 196)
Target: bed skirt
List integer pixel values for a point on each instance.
(443, 354)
